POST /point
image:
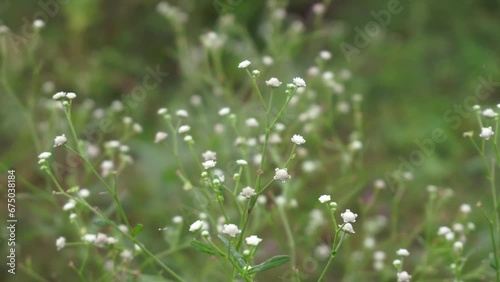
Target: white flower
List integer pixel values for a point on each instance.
(60, 140)
(299, 82)
(111, 241)
(379, 184)
(160, 136)
(101, 239)
(443, 230)
(267, 60)
(224, 111)
(325, 198)
(71, 95)
(244, 64)
(273, 82)
(69, 205)
(38, 24)
(465, 208)
(106, 167)
(60, 242)
(348, 228)
(298, 140)
(356, 145)
(177, 219)
(117, 106)
(241, 162)
(325, 55)
(90, 238)
(486, 132)
(248, 192)
(252, 122)
(126, 255)
(256, 73)
(188, 138)
(44, 155)
(137, 128)
(348, 216)
(3, 29)
(112, 144)
(84, 193)
(209, 164)
(182, 113)
(458, 246)
(253, 240)
(489, 113)
(197, 225)
(379, 255)
(72, 216)
(281, 174)
(318, 9)
(403, 252)
(162, 111)
(209, 155)
(231, 230)
(59, 95)
(403, 276)
(184, 128)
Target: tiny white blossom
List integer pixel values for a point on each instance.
(71, 95)
(162, 111)
(69, 205)
(348, 228)
(489, 113)
(44, 155)
(443, 230)
(126, 255)
(177, 219)
(60, 140)
(253, 240)
(38, 24)
(267, 60)
(241, 162)
(458, 246)
(248, 192)
(325, 198)
(59, 95)
(273, 82)
(231, 230)
(209, 164)
(319, 8)
(403, 276)
(106, 167)
(188, 138)
(325, 55)
(90, 238)
(224, 111)
(465, 208)
(251, 122)
(348, 216)
(182, 113)
(209, 155)
(101, 239)
(379, 184)
(60, 243)
(486, 132)
(299, 82)
(356, 145)
(261, 199)
(184, 128)
(137, 128)
(197, 225)
(160, 136)
(244, 64)
(111, 241)
(84, 193)
(298, 140)
(403, 252)
(281, 174)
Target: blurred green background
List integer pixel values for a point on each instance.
(428, 59)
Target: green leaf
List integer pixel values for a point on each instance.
(270, 263)
(137, 229)
(234, 253)
(100, 222)
(199, 246)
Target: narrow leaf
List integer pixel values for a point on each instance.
(233, 252)
(137, 229)
(100, 222)
(270, 263)
(199, 246)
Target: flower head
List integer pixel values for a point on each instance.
(60, 243)
(69, 205)
(241, 162)
(325, 198)
(184, 128)
(486, 132)
(71, 95)
(209, 164)
(231, 230)
(224, 111)
(348, 216)
(253, 240)
(298, 140)
(403, 276)
(44, 155)
(299, 82)
(244, 64)
(281, 174)
(347, 227)
(489, 113)
(197, 225)
(403, 252)
(248, 192)
(273, 82)
(209, 155)
(160, 136)
(60, 140)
